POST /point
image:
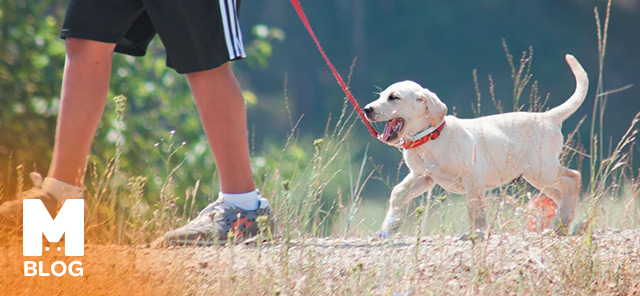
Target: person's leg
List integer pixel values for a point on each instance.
(200, 41)
(85, 85)
(84, 90)
(223, 115)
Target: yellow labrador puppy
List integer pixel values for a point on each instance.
(470, 156)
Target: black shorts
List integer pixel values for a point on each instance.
(198, 35)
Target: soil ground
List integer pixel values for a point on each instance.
(502, 264)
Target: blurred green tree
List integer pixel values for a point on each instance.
(31, 61)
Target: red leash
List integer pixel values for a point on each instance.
(303, 18)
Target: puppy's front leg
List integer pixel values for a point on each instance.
(475, 205)
(410, 187)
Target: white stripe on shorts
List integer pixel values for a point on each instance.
(232, 35)
(238, 33)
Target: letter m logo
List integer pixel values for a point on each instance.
(37, 221)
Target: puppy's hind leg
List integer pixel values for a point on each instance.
(402, 193)
(567, 190)
(563, 189)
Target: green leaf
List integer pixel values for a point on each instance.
(250, 98)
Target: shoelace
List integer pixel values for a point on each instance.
(205, 215)
(208, 209)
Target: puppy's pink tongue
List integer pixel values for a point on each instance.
(388, 128)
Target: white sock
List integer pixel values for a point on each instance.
(247, 201)
(61, 190)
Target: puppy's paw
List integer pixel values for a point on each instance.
(580, 228)
(389, 227)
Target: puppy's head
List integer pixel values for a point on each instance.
(407, 108)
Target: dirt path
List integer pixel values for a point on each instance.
(507, 264)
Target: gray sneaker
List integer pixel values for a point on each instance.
(11, 211)
(214, 223)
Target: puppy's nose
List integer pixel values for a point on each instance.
(368, 110)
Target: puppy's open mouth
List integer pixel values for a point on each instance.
(391, 129)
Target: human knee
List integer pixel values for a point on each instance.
(222, 71)
(88, 50)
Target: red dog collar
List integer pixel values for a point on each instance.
(426, 138)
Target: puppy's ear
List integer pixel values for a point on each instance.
(435, 107)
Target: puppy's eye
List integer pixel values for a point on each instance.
(393, 98)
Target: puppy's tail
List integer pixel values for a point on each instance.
(562, 112)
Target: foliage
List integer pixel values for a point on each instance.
(31, 60)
